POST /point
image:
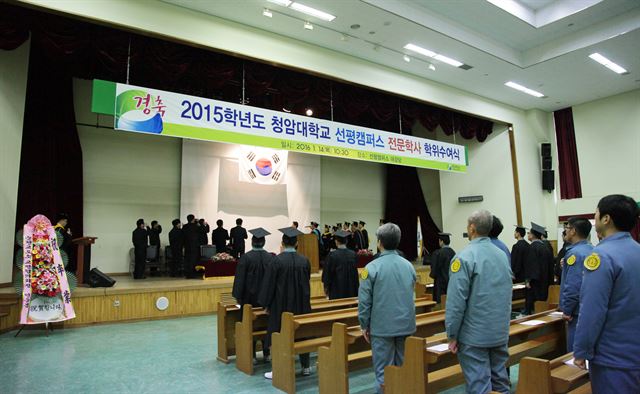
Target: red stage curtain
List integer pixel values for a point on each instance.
(569, 168)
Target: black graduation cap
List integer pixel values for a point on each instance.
(362, 223)
(538, 228)
(355, 223)
(259, 232)
(338, 224)
(290, 232)
(347, 224)
(314, 223)
(517, 226)
(342, 234)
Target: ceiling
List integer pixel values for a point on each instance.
(500, 47)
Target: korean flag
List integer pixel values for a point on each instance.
(263, 166)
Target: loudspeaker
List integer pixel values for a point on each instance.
(98, 279)
(546, 163)
(545, 149)
(548, 182)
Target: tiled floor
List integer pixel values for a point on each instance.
(163, 356)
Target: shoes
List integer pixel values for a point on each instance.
(306, 371)
(268, 375)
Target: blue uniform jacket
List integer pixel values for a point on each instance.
(479, 295)
(608, 331)
(385, 299)
(572, 272)
(502, 247)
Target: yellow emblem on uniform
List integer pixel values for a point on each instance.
(592, 262)
(571, 260)
(364, 274)
(455, 266)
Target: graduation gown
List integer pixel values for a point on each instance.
(191, 233)
(340, 274)
(440, 261)
(365, 239)
(286, 288)
(249, 275)
(359, 240)
(176, 243)
(219, 238)
(519, 255)
(238, 235)
(539, 269)
(154, 235)
(203, 234)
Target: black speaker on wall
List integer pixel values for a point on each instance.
(548, 181)
(545, 149)
(99, 279)
(546, 163)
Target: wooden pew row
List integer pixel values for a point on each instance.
(344, 351)
(538, 376)
(339, 357)
(425, 371)
(229, 314)
(306, 333)
(552, 302)
(254, 326)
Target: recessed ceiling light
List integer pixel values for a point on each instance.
(309, 112)
(406, 58)
(267, 13)
(312, 11)
(429, 53)
(448, 60)
(284, 3)
(608, 63)
(308, 26)
(432, 67)
(372, 32)
(524, 89)
(355, 26)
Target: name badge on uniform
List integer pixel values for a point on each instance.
(571, 260)
(455, 266)
(592, 262)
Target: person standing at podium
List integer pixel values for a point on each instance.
(140, 239)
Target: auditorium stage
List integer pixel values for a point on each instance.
(134, 300)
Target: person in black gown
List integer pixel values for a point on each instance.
(219, 237)
(340, 274)
(519, 254)
(286, 288)
(203, 234)
(140, 238)
(238, 235)
(365, 235)
(538, 270)
(176, 243)
(191, 233)
(440, 261)
(248, 281)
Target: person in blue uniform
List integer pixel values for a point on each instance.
(440, 260)
(478, 309)
(496, 230)
(286, 288)
(519, 254)
(609, 322)
(340, 274)
(386, 308)
(577, 231)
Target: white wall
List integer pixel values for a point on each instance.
(353, 190)
(608, 143)
(13, 87)
(211, 190)
(126, 177)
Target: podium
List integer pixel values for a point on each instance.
(308, 247)
(83, 258)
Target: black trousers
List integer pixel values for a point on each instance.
(140, 254)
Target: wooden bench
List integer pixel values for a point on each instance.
(517, 299)
(228, 315)
(254, 326)
(306, 333)
(426, 371)
(538, 376)
(344, 351)
(552, 302)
